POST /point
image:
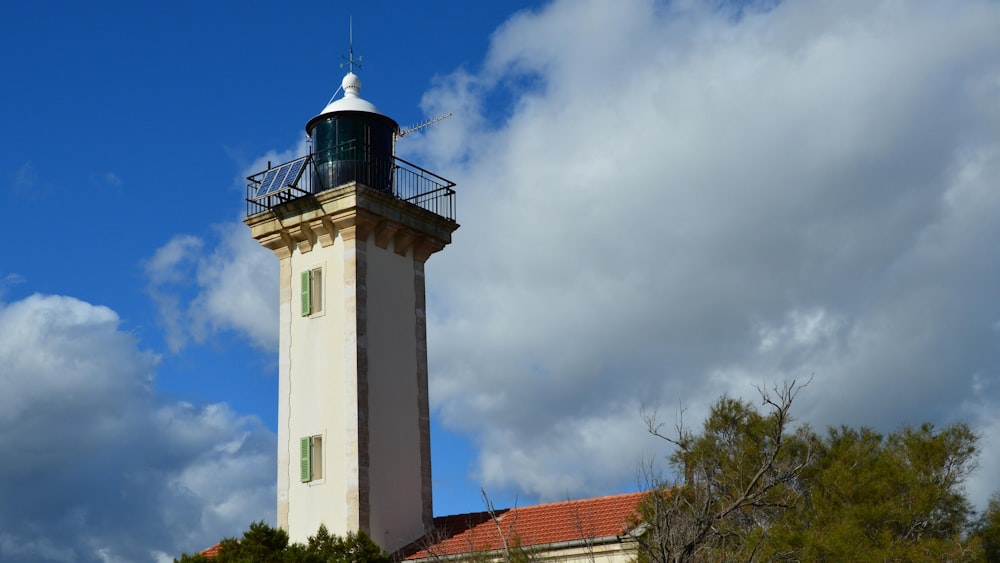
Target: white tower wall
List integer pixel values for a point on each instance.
(354, 373)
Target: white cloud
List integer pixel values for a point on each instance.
(234, 286)
(227, 284)
(170, 266)
(106, 180)
(679, 202)
(274, 158)
(8, 281)
(26, 176)
(91, 452)
(239, 289)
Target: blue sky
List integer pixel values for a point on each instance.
(660, 203)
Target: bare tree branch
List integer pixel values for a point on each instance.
(738, 475)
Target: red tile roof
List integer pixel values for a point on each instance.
(528, 526)
(212, 551)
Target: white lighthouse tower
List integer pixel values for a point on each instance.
(352, 226)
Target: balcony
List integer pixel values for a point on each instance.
(343, 164)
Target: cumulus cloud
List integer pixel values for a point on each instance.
(26, 183)
(26, 176)
(106, 180)
(680, 200)
(233, 286)
(228, 283)
(9, 280)
(96, 466)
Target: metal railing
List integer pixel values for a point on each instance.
(423, 188)
(345, 163)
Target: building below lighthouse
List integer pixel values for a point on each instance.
(352, 227)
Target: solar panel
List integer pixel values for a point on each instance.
(266, 182)
(293, 173)
(278, 178)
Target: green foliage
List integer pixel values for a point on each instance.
(752, 489)
(355, 547)
(260, 544)
(739, 474)
(987, 530)
(263, 544)
(884, 498)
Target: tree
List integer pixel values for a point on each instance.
(890, 498)
(260, 544)
(987, 530)
(739, 475)
(750, 487)
(356, 546)
(264, 544)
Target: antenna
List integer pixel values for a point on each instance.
(351, 61)
(421, 125)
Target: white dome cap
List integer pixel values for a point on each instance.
(351, 101)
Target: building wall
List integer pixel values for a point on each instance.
(355, 374)
(604, 550)
(318, 394)
(284, 320)
(618, 552)
(394, 423)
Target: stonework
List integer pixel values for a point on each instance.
(355, 373)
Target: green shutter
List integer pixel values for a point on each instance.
(305, 463)
(306, 293)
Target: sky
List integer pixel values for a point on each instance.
(660, 203)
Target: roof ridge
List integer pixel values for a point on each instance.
(588, 499)
(540, 505)
(479, 513)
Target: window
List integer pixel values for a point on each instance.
(311, 458)
(312, 292)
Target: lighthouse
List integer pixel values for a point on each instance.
(352, 226)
